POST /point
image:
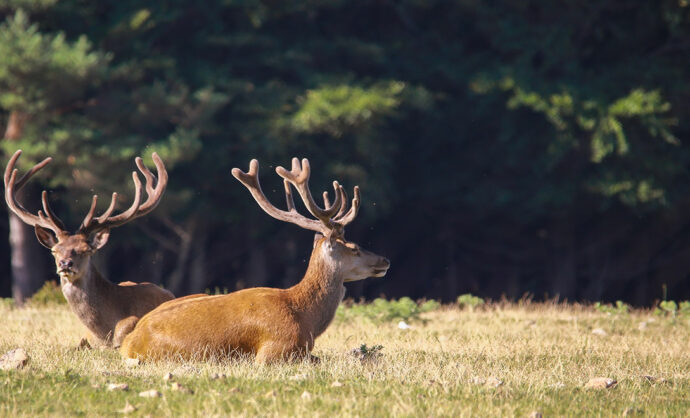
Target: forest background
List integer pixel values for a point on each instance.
(502, 148)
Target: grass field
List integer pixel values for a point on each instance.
(500, 360)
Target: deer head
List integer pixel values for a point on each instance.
(72, 252)
(346, 259)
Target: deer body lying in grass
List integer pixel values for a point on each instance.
(108, 310)
(270, 324)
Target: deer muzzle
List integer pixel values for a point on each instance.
(381, 268)
(65, 269)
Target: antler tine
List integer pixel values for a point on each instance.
(354, 209)
(148, 175)
(10, 165)
(137, 208)
(12, 185)
(89, 216)
(250, 180)
(288, 196)
(22, 181)
(326, 200)
(299, 177)
(109, 211)
(51, 215)
(126, 216)
(154, 193)
(343, 207)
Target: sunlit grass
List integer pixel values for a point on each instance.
(448, 363)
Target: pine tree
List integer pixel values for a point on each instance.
(43, 78)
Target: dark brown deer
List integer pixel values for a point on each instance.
(271, 324)
(108, 310)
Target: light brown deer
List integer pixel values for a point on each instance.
(108, 310)
(270, 324)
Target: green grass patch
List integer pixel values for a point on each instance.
(501, 360)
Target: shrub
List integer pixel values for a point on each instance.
(671, 308)
(381, 310)
(49, 294)
(429, 305)
(684, 307)
(469, 301)
(7, 303)
(620, 308)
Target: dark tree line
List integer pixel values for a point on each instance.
(501, 148)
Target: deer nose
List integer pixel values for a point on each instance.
(64, 264)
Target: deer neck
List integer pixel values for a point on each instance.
(87, 297)
(317, 296)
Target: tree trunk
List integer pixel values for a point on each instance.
(198, 276)
(177, 282)
(27, 271)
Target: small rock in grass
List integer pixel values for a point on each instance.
(403, 325)
(336, 384)
(306, 395)
(168, 377)
(150, 394)
(14, 359)
(132, 362)
(179, 388)
(117, 386)
(535, 414)
(601, 383)
(642, 326)
(129, 408)
(494, 382)
(600, 332)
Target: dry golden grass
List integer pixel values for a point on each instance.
(449, 364)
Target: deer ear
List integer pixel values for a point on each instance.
(317, 238)
(99, 239)
(45, 237)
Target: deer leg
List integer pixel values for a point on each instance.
(122, 328)
(276, 352)
(272, 352)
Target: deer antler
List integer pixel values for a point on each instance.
(46, 218)
(137, 209)
(299, 177)
(331, 219)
